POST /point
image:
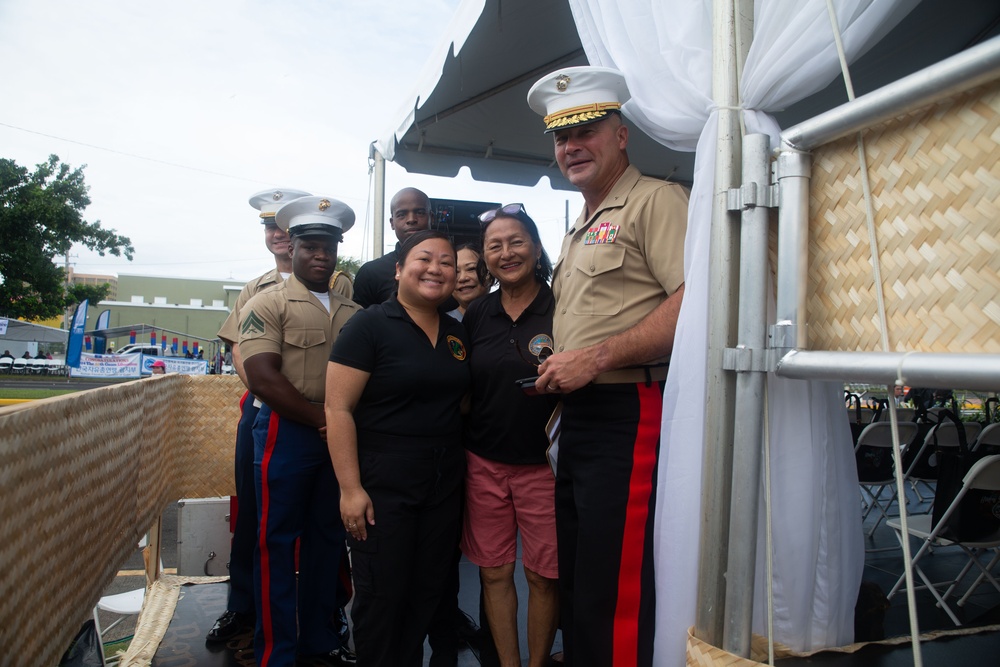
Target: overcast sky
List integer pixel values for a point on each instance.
(182, 110)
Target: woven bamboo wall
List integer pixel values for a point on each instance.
(82, 477)
(935, 177)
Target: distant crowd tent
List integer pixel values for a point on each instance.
(143, 332)
(26, 332)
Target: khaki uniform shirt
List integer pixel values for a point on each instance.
(622, 262)
(230, 331)
(288, 320)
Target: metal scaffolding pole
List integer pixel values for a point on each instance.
(749, 359)
(728, 18)
(972, 67)
(378, 224)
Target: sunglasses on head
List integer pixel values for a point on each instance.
(510, 209)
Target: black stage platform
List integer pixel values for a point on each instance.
(199, 606)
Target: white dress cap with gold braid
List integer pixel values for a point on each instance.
(577, 96)
(269, 201)
(315, 215)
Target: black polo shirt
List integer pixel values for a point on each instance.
(505, 424)
(415, 390)
(376, 280)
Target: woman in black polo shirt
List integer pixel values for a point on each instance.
(509, 485)
(396, 378)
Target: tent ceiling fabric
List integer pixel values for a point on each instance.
(20, 331)
(476, 114)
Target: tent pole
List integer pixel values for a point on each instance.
(750, 379)
(378, 225)
(720, 386)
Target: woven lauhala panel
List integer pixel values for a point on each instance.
(206, 436)
(82, 477)
(68, 469)
(935, 178)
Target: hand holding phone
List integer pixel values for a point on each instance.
(527, 385)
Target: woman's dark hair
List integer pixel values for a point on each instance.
(543, 269)
(413, 240)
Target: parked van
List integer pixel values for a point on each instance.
(148, 350)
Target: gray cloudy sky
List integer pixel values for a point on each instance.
(182, 110)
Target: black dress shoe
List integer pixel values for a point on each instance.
(340, 657)
(228, 626)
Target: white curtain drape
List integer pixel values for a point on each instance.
(664, 48)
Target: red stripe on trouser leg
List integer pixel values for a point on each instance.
(265, 564)
(626, 623)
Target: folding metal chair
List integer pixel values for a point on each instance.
(902, 414)
(984, 475)
(988, 440)
(873, 454)
(921, 469)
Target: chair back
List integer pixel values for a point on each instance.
(984, 474)
(923, 464)
(19, 365)
(988, 440)
(5, 364)
(902, 414)
(873, 453)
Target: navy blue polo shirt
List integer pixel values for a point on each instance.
(415, 389)
(505, 424)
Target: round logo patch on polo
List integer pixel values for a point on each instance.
(456, 347)
(539, 343)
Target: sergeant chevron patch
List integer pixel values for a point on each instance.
(252, 325)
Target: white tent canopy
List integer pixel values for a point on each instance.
(468, 106)
(26, 332)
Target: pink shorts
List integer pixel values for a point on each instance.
(502, 498)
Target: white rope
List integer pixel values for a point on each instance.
(368, 209)
(877, 278)
(738, 39)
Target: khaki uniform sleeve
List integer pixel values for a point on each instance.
(230, 331)
(261, 325)
(660, 233)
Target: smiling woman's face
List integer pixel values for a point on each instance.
(467, 287)
(428, 273)
(510, 252)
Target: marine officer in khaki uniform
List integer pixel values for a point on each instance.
(618, 286)
(240, 613)
(285, 337)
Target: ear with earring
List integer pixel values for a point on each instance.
(538, 265)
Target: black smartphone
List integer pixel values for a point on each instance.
(527, 385)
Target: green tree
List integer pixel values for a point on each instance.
(349, 265)
(41, 216)
(79, 292)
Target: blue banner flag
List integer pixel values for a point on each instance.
(76, 335)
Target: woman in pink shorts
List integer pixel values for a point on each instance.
(509, 485)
